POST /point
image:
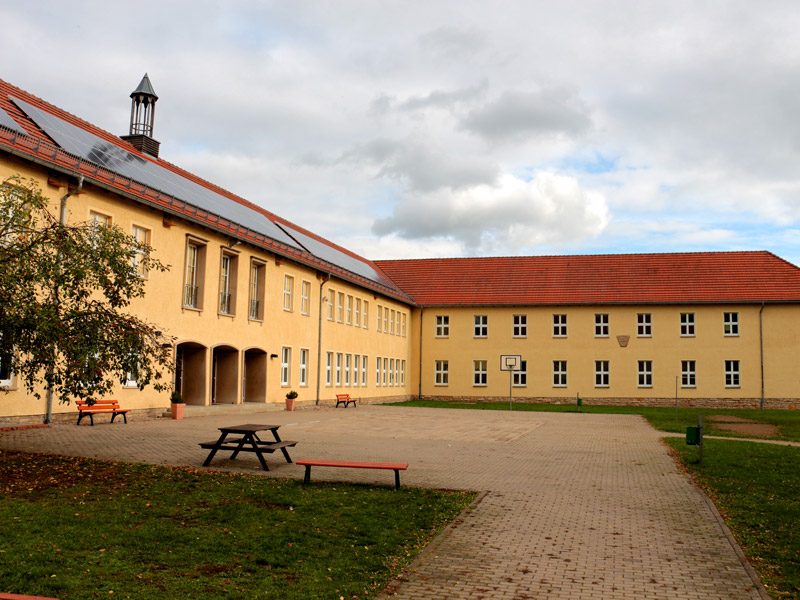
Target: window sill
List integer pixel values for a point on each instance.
(645, 387)
(254, 320)
(222, 314)
(688, 387)
(602, 387)
(192, 308)
(733, 387)
(441, 384)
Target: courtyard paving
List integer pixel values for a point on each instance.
(572, 506)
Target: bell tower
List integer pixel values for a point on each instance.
(143, 109)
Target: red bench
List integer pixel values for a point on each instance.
(344, 399)
(99, 406)
(352, 464)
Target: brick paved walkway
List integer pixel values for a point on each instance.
(575, 506)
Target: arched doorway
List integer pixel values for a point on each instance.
(254, 376)
(190, 372)
(225, 375)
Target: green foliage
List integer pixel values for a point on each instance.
(63, 299)
(77, 528)
(757, 489)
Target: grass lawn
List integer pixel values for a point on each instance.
(757, 490)
(662, 418)
(78, 528)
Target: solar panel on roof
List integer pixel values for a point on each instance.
(87, 145)
(336, 257)
(6, 120)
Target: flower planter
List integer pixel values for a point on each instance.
(289, 403)
(177, 410)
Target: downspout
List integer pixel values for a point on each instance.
(421, 311)
(63, 221)
(761, 341)
(319, 336)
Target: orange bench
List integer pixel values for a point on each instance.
(22, 597)
(344, 399)
(99, 406)
(352, 464)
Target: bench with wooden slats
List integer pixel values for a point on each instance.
(100, 406)
(344, 399)
(352, 464)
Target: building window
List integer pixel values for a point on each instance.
(559, 325)
(601, 325)
(391, 372)
(340, 307)
(357, 321)
(385, 375)
(731, 324)
(644, 325)
(481, 326)
(520, 329)
(559, 373)
(305, 298)
(303, 367)
(142, 237)
(385, 319)
(731, 373)
(403, 333)
(442, 326)
(286, 366)
(331, 302)
(380, 318)
(338, 369)
(366, 314)
(645, 373)
(349, 319)
(288, 291)
(687, 324)
(256, 307)
(479, 372)
(364, 370)
(519, 378)
(227, 284)
(402, 372)
(688, 374)
(601, 374)
(356, 368)
(195, 269)
(97, 221)
(391, 321)
(347, 367)
(328, 367)
(378, 371)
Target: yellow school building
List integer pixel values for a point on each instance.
(258, 305)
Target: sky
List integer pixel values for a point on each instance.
(422, 129)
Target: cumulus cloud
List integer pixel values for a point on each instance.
(520, 114)
(509, 216)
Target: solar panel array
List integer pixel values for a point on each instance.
(5, 119)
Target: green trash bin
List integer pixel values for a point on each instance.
(692, 436)
(580, 401)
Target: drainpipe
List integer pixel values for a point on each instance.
(319, 336)
(63, 220)
(761, 340)
(421, 311)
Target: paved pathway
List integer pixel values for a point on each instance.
(575, 506)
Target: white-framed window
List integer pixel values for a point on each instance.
(601, 374)
(192, 293)
(340, 307)
(331, 304)
(391, 372)
(378, 370)
(442, 326)
(687, 324)
(645, 373)
(403, 324)
(286, 366)
(520, 329)
(479, 372)
(364, 370)
(559, 373)
(688, 374)
(481, 329)
(380, 319)
(397, 371)
(328, 368)
(366, 314)
(347, 366)
(731, 324)
(338, 369)
(385, 319)
(356, 368)
(560, 326)
(288, 292)
(349, 317)
(402, 372)
(256, 291)
(6, 376)
(732, 374)
(357, 321)
(601, 325)
(391, 321)
(385, 374)
(131, 380)
(305, 298)
(98, 220)
(142, 237)
(225, 266)
(519, 378)
(644, 325)
(303, 367)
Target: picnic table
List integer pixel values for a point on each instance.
(245, 439)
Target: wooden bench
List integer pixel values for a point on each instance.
(100, 406)
(352, 464)
(23, 597)
(344, 399)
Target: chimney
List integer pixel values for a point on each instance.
(143, 108)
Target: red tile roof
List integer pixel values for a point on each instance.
(699, 277)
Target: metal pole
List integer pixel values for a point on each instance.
(510, 388)
(676, 397)
(700, 460)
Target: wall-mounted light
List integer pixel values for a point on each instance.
(273, 356)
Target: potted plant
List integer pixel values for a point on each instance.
(290, 396)
(178, 405)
